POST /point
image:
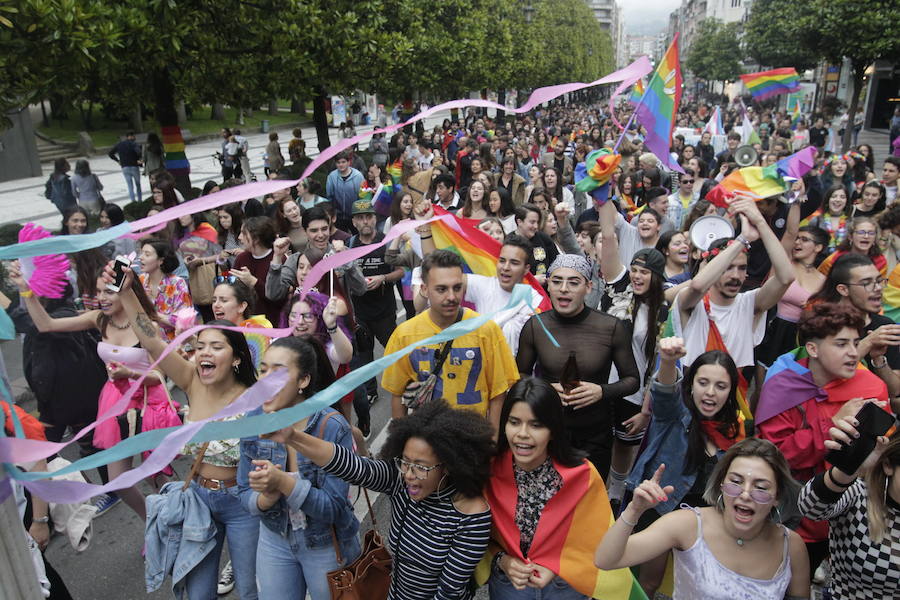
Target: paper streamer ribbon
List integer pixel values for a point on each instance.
(69, 244)
(168, 442)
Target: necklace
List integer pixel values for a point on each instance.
(120, 327)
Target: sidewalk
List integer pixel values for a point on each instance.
(23, 200)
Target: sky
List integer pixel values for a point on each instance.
(647, 16)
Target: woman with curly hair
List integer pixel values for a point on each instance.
(434, 466)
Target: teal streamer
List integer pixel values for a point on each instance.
(265, 423)
(8, 332)
(64, 244)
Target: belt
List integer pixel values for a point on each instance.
(215, 484)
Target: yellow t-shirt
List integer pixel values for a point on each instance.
(480, 365)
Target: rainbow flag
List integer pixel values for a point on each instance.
(380, 197)
(395, 169)
(796, 115)
(478, 250)
(658, 106)
(561, 542)
(891, 295)
(766, 84)
(763, 182)
(173, 145)
(637, 91)
(714, 125)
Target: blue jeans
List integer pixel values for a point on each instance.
(501, 588)
(287, 569)
(133, 178)
(242, 530)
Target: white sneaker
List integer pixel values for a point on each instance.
(226, 580)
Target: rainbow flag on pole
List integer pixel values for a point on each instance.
(796, 115)
(478, 250)
(658, 105)
(763, 182)
(637, 91)
(714, 125)
(766, 84)
(561, 541)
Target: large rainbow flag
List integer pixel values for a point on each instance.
(173, 145)
(478, 250)
(561, 542)
(766, 84)
(763, 182)
(656, 109)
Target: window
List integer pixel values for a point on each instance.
(735, 3)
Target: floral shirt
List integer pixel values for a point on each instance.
(172, 295)
(535, 487)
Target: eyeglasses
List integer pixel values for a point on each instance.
(560, 283)
(420, 472)
(733, 490)
(804, 239)
(686, 181)
(865, 233)
(307, 316)
(870, 285)
(224, 279)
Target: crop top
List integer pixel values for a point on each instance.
(219, 453)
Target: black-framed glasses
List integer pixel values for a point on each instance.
(804, 239)
(733, 490)
(420, 472)
(307, 316)
(870, 285)
(224, 279)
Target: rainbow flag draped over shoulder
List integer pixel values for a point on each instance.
(766, 84)
(763, 182)
(571, 527)
(478, 250)
(658, 105)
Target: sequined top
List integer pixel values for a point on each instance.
(535, 488)
(700, 576)
(219, 453)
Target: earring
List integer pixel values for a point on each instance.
(235, 367)
(777, 516)
(441, 481)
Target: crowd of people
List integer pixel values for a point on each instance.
(697, 387)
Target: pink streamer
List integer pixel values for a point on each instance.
(621, 88)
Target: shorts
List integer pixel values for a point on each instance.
(622, 411)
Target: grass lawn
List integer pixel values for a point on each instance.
(107, 133)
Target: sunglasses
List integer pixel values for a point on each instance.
(224, 279)
(733, 490)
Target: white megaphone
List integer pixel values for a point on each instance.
(745, 156)
(708, 229)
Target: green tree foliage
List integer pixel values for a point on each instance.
(715, 54)
(771, 37)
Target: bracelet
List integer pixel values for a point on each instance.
(627, 522)
(40, 519)
(26, 294)
(495, 562)
(880, 365)
(743, 241)
(331, 329)
(835, 481)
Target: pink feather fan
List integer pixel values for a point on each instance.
(46, 275)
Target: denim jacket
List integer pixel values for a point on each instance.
(179, 533)
(667, 442)
(321, 497)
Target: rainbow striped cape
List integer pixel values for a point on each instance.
(478, 250)
(571, 527)
(657, 107)
(766, 84)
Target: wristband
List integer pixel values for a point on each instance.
(836, 482)
(627, 522)
(495, 562)
(40, 519)
(26, 294)
(743, 241)
(331, 329)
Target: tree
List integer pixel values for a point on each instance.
(715, 54)
(770, 35)
(859, 30)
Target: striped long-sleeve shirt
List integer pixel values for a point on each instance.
(435, 546)
(861, 568)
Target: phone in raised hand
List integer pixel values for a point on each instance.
(119, 266)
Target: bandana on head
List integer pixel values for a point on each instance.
(571, 261)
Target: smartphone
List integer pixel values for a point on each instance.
(119, 266)
(873, 422)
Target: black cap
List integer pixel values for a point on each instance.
(651, 259)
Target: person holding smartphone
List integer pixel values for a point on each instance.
(810, 389)
(863, 509)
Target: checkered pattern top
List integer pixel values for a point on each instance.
(861, 569)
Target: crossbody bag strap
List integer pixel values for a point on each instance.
(320, 434)
(196, 466)
(444, 352)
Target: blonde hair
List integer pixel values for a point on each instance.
(876, 484)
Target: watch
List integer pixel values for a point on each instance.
(879, 365)
(495, 562)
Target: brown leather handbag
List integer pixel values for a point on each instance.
(369, 576)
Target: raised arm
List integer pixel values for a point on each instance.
(791, 228)
(782, 270)
(609, 253)
(180, 370)
(565, 234)
(43, 321)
